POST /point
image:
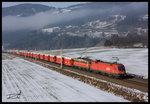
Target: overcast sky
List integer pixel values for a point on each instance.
(54, 4)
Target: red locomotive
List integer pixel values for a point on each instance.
(82, 63)
(112, 69)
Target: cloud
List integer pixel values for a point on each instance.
(39, 20)
(137, 5)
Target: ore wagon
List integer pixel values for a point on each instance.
(42, 56)
(47, 57)
(52, 58)
(68, 61)
(58, 60)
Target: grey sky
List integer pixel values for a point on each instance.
(54, 4)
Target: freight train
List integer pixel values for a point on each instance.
(113, 69)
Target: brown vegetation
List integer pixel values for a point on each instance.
(127, 41)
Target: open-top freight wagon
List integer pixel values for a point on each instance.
(58, 59)
(68, 61)
(47, 57)
(52, 58)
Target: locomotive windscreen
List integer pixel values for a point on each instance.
(121, 68)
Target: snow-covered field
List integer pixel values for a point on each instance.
(23, 81)
(134, 59)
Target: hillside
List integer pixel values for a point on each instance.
(82, 25)
(24, 10)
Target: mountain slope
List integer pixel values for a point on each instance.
(24, 10)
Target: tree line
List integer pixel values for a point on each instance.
(127, 41)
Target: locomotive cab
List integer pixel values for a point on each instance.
(121, 70)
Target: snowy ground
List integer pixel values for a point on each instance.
(134, 59)
(34, 83)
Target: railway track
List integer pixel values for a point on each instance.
(137, 83)
(131, 82)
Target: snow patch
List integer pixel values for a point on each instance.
(40, 84)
